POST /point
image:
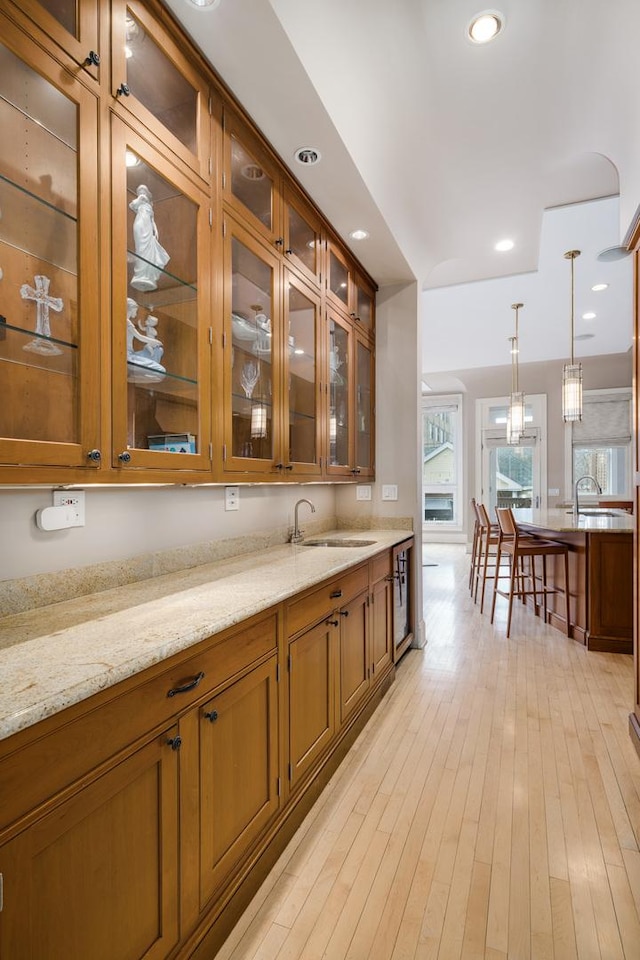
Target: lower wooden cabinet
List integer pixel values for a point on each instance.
(311, 697)
(238, 747)
(97, 876)
(143, 850)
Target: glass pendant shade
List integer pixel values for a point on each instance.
(572, 371)
(515, 414)
(258, 422)
(515, 418)
(572, 392)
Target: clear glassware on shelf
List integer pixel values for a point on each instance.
(249, 377)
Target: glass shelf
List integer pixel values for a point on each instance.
(37, 227)
(45, 353)
(156, 381)
(167, 284)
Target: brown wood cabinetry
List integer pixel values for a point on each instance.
(137, 823)
(132, 353)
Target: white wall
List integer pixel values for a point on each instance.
(127, 522)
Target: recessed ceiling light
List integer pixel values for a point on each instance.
(359, 235)
(503, 245)
(599, 286)
(211, 4)
(307, 156)
(485, 26)
(588, 316)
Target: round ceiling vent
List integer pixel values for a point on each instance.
(307, 156)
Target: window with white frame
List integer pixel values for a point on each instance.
(601, 441)
(442, 462)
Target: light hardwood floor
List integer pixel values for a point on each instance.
(490, 808)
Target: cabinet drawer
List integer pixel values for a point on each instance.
(381, 566)
(87, 735)
(331, 595)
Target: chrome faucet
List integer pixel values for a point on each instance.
(297, 535)
(587, 476)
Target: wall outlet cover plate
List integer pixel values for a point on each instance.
(389, 491)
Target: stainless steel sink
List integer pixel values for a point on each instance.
(337, 542)
(601, 513)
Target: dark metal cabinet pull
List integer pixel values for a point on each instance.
(335, 594)
(343, 613)
(124, 457)
(332, 623)
(212, 716)
(93, 58)
(95, 456)
(174, 742)
(191, 685)
(123, 90)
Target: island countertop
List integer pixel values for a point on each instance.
(55, 656)
(564, 520)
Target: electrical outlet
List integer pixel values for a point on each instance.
(73, 500)
(232, 498)
(363, 491)
(389, 491)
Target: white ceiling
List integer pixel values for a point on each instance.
(439, 148)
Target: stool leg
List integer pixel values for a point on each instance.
(485, 572)
(512, 584)
(496, 582)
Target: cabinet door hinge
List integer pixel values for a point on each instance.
(210, 453)
(289, 770)
(210, 107)
(279, 786)
(211, 335)
(224, 228)
(1, 892)
(210, 217)
(277, 673)
(224, 452)
(210, 166)
(289, 662)
(224, 339)
(224, 180)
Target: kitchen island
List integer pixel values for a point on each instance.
(600, 542)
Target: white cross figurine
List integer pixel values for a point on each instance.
(44, 303)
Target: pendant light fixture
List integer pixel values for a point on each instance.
(515, 416)
(572, 371)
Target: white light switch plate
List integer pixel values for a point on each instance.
(363, 491)
(389, 491)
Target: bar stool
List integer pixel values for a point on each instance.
(517, 547)
(488, 534)
(475, 545)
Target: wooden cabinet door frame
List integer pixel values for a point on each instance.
(355, 665)
(130, 107)
(172, 463)
(316, 646)
(77, 46)
(38, 453)
(294, 199)
(364, 470)
(339, 469)
(22, 914)
(298, 469)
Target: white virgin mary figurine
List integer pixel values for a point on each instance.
(150, 252)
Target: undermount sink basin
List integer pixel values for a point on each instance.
(600, 513)
(336, 542)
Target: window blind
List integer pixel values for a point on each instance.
(606, 420)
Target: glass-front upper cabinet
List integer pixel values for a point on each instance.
(338, 278)
(339, 415)
(155, 84)
(252, 350)
(72, 24)
(48, 260)
(251, 180)
(364, 408)
(301, 387)
(364, 306)
(162, 352)
(302, 236)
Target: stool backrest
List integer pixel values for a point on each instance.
(506, 521)
(483, 515)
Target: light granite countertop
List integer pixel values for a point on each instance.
(54, 656)
(564, 520)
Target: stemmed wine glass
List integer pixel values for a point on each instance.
(249, 377)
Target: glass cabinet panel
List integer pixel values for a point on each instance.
(301, 320)
(254, 340)
(251, 184)
(339, 375)
(39, 253)
(65, 12)
(302, 236)
(364, 407)
(157, 83)
(364, 308)
(161, 313)
(72, 24)
(338, 278)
